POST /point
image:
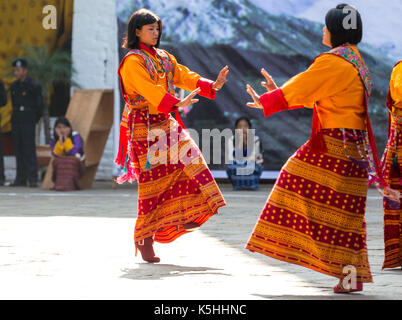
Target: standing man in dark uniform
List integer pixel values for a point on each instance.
(26, 95)
(3, 102)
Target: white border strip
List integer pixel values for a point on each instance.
(266, 175)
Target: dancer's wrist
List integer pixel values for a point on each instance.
(215, 86)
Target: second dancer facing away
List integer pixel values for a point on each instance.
(179, 194)
(315, 214)
(392, 170)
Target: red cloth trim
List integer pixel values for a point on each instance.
(206, 88)
(317, 142)
(374, 150)
(273, 102)
(122, 154)
(178, 118)
(148, 49)
(167, 104)
(389, 102)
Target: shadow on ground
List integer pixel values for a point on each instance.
(146, 271)
(354, 296)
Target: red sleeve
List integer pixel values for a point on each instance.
(167, 103)
(206, 88)
(274, 102)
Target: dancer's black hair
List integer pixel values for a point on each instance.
(139, 19)
(340, 23)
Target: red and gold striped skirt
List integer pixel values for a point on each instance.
(314, 216)
(392, 216)
(179, 188)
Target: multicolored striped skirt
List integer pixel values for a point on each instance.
(66, 174)
(178, 188)
(392, 166)
(314, 216)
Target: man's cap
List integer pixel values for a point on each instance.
(22, 63)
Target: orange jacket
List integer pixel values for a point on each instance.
(335, 87)
(137, 81)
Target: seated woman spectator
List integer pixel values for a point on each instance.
(245, 160)
(68, 161)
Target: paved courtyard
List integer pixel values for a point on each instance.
(79, 246)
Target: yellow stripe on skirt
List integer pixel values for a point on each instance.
(179, 188)
(392, 216)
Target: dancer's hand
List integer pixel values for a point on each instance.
(189, 100)
(256, 98)
(221, 80)
(269, 84)
(391, 194)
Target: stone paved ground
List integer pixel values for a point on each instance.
(79, 246)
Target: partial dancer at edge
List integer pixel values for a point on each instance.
(392, 169)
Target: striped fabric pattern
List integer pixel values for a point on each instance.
(392, 216)
(314, 216)
(174, 193)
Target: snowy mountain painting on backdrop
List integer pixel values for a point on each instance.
(380, 18)
(283, 36)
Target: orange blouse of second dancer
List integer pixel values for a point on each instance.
(340, 103)
(137, 81)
